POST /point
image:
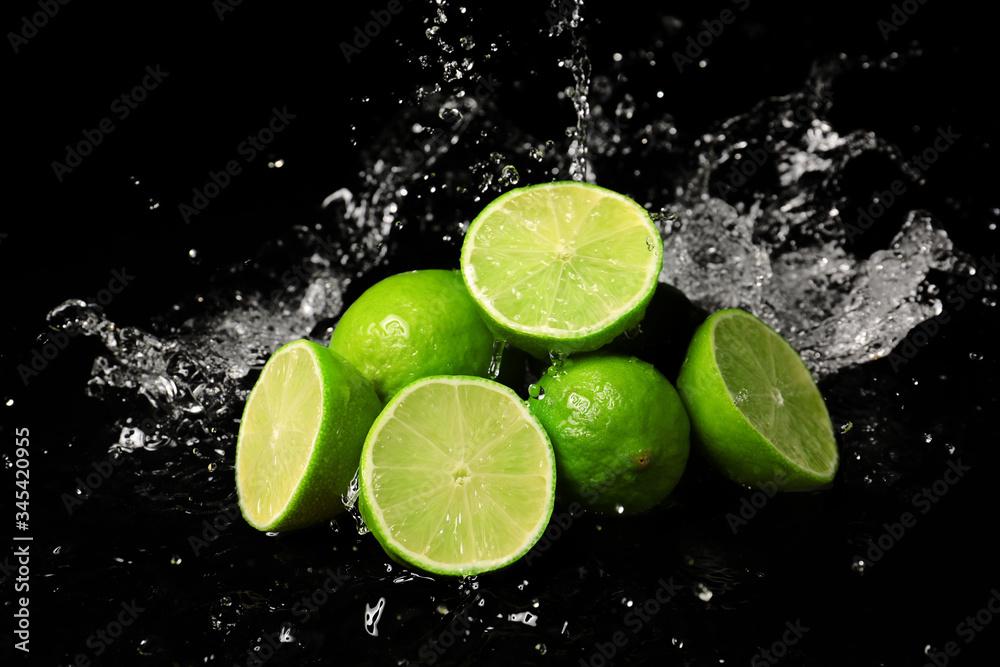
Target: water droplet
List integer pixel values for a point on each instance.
(285, 635)
(450, 114)
(353, 490)
(542, 650)
(847, 427)
(193, 254)
(467, 42)
(373, 615)
(741, 396)
(975, 356)
(494, 370)
(452, 71)
(701, 590)
(153, 204)
(442, 609)
(525, 617)
(432, 31)
(650, 246)
(536, 391)
(928, 437)
(175, 560)
(509, 176)
(858, 566)
(212, 467)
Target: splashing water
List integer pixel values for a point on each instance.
(754, 225)
(750, 217)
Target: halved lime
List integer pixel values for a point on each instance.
(300, 438)
(754, 406)
(457, 476)
(561, 267)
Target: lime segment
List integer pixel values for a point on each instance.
(754, 405)
(300, 437)
(457, 477)
(562, 266)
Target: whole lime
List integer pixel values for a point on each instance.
(619, 430)
(413, 325)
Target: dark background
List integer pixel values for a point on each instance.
(64, 239)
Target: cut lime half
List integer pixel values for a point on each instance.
(561, 267)
(300, 437)
(457, 476)
(754, 406)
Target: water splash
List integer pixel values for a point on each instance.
(749, 211)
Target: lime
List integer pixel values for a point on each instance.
(618, 428)
(300, 437)
(457, 476)
(755, 408)
(561, 267)
(412, 325)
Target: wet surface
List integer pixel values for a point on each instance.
(254, 181)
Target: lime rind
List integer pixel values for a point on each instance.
(798, 432)
(300, 437)
(754, 406)
(540, 262)
(457, 496)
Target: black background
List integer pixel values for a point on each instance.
(226, 74)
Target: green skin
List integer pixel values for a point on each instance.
(619, 430)
(413, 325)
(350, 406)
(728, 440)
